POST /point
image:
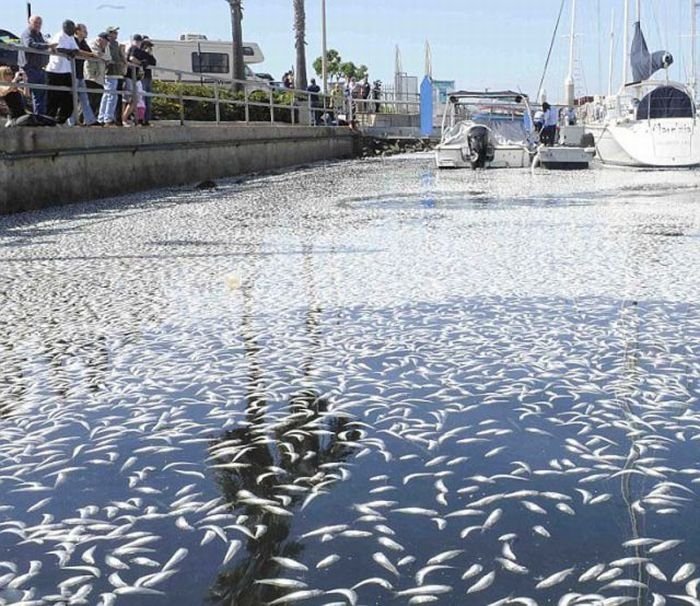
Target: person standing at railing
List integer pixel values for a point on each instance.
(59, 72)
(81, 34)
(34, 64)
(337, 97)
(114, 79)
(95, 71)
(314, 101)
(138, 55)
(365, 90)
(150, 62)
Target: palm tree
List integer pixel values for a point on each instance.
(237, 31)
(300, 44)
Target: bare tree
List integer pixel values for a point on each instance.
(237, 32)
(300, 44)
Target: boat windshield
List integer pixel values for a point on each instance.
(665, 102)
(506, 120)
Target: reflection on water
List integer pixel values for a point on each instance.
(293, 455)
(377, 403)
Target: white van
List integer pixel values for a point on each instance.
(195, 53)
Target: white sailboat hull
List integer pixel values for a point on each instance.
(665, 143)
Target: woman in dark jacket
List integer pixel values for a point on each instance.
(11, 94)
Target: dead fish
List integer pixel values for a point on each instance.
(511, 566)
(297, 596)
(492, 520)
(445, 556)
(327, 561)
(281, 582)
(472, 571)
(683, 573)
(655, 571)
(384, 562)
(290, 563)
(555, 579)
(483, 583)
(426, 570)
(591, 573)
(665, 546)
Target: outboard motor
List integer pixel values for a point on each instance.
(480, 148)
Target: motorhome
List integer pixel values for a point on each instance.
(8, 57)
(196, 54)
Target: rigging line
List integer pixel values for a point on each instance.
(551, 46)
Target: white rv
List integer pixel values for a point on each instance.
(195, 53)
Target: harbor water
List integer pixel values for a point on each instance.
(360, 383)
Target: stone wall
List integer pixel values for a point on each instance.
(42, 167)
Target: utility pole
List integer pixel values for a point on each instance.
(324, 44)
(569, 88)
(611, 67)
(237, 65)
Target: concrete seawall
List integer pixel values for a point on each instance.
(42, 167)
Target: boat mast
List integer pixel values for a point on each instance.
(611, 66)
(569, 86)
(626, 45)
(693, 46)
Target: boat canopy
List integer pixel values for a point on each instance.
(665, 102)
(506, 113)
(495, 95)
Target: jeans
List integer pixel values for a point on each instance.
(37, 76)
(88, 115)
(147, 88)
(108, 104)
(94, 96)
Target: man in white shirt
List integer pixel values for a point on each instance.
(59, 73)
(551, 121)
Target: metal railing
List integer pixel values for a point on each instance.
(300, 106)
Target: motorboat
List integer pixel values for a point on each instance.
(574, 151)
(486, 129)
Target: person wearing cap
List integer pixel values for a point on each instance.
(140, 53)
(147, 46)
(95, 70)
(110, 107)
(132, 83)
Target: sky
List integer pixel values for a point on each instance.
(477, 43)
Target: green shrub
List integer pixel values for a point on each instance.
(205, 111)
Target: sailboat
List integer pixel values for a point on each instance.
(648, 123)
